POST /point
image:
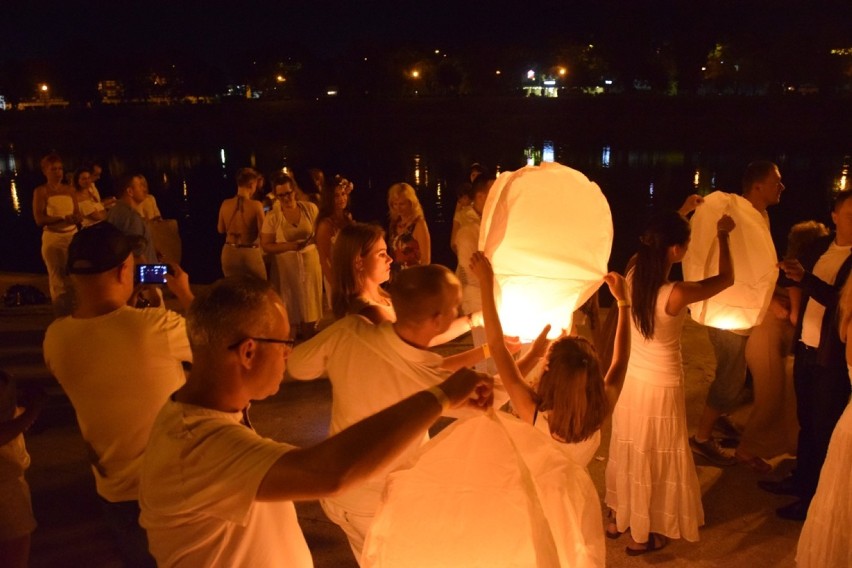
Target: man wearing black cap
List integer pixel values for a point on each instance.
(118, 365)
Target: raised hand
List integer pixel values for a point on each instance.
(481, 267)
(615, 282)
(725, 224)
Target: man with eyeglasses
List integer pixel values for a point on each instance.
(213, 491)
(118, 365)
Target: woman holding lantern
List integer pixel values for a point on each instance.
(651, 484)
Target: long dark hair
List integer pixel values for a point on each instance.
(650, 268)
(352, 242)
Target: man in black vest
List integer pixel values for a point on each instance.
(819, 373)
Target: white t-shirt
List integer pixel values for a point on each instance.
(148, 208)
(370, 369)
(199, 482)
(826, 269)
(118, 369)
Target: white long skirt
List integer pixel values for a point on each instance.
(826, 539)
(297, 278)
(651, 480)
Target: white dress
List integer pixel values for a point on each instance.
(826, 539)
(581, 453)
(651, 481)
(296, 275)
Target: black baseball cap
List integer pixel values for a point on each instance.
(99, 248)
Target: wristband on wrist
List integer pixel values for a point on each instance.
(440, 396)
(623, 303)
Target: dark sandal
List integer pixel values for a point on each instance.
(652, 545)
(611, 530)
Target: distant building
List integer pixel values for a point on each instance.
(111, 92)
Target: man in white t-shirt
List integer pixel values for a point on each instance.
(374, 366)
(762, 187)
(118, 365)
(214, 492)
(820, 375)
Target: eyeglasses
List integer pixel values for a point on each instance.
(283, 195)
(288, 342)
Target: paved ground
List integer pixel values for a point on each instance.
(741, 529)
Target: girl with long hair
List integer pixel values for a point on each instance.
(360, 265)
(651, 484)
(571, 399)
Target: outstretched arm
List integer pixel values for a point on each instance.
(351, 455)
(523, 397)
(614, 379)
(685, 293)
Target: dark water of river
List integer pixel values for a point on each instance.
(190, 175)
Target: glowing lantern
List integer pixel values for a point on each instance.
(548, 232)
(488, 491)
(744, 304)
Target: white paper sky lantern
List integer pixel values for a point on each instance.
(548, 232)
(744, 304)
(488, 491)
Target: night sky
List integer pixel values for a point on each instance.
(219, 30)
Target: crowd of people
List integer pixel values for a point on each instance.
(183, 479)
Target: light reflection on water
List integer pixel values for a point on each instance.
(16, 203)
(190, 184)
(842, 181)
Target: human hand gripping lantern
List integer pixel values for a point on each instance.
(743, 305)
(548, 232)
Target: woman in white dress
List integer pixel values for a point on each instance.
(651, 484)
(826, 538)
(288, 236)
(55, 211)
(333, 216)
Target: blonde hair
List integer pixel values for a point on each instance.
(406, 191)
(572, 389)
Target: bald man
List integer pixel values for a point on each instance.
(374, 366)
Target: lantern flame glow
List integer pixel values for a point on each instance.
(548, 232)
(743, 305)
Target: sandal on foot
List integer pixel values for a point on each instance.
(611, 530)
(655, 542)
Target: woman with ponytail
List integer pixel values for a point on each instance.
(651, 484)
